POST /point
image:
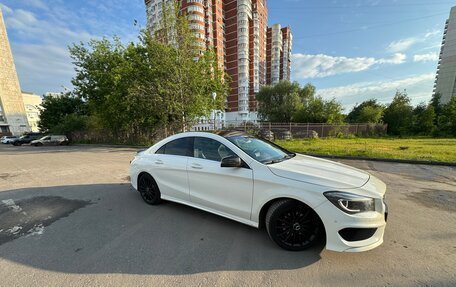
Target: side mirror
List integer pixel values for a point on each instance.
(231, 161)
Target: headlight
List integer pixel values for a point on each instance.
(350, 203)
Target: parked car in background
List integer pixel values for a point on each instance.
(50, 140)
(8, 139)
(27, 138)
(299, 199)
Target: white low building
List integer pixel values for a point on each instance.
(32, 104)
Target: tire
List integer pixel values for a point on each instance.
(38, 144)
(293, 225)
(17, 144)
(148, 189)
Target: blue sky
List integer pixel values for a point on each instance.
(351, 50)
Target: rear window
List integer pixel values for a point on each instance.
(182, 147)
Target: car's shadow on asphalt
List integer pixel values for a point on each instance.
(107, 228)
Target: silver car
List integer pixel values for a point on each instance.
(51, 140)
(8, 139)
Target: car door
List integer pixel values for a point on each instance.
(53, 140)
(169, 168)
(46, 140)
(223, 189)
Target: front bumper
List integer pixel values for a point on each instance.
(336, 220)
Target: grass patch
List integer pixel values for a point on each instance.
(431, 149)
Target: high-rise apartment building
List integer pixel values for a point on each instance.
(237, 30)
(285, 57)
(445, 79)
(279, 44)
(13, 118)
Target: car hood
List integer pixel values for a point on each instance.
(320, 172)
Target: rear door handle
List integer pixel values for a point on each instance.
(158, 161)
(196, 166)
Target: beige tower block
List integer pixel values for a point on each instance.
(13, 117)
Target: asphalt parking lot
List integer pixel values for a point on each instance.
(68, 217)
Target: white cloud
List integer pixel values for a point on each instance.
(403, 45)
(428, 57)
(432, 33)
(37, 4)
(21, 20)
(318, 66)
(27, 25)
(315, 66)
(40, 32)
(43, 62)
(374, 87)
(397, 58)
(5, 9)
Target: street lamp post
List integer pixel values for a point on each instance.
(214, 96)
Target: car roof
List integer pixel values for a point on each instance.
(231, 133)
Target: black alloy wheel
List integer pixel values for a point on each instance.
(148, 189)
(293, 225)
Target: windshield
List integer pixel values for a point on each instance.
(261, 150)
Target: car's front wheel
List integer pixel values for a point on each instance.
(148, 189)
(293, 225)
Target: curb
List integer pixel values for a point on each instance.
(112, 146)
(408, 161)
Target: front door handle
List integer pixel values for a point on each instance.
(196, 166)
(158, 161)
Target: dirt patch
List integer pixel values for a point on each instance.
(440, 199)
(5, 176)
(31, 216)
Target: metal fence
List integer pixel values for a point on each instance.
(303, 130)
(268, 130)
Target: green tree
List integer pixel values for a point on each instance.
(278, 103)
(55, 109)
(369, 111)
(142, 87)
(193, 71)
(314, 109)
(398, 115)
(69, 124)
(436, 103)
(423, 119)
(447, 120)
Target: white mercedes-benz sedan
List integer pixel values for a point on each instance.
(299, 199)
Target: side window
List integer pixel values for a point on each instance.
(161, 150)
(182, 147)
(210, 149)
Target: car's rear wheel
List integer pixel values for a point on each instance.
(148, 189)
(293, 225)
